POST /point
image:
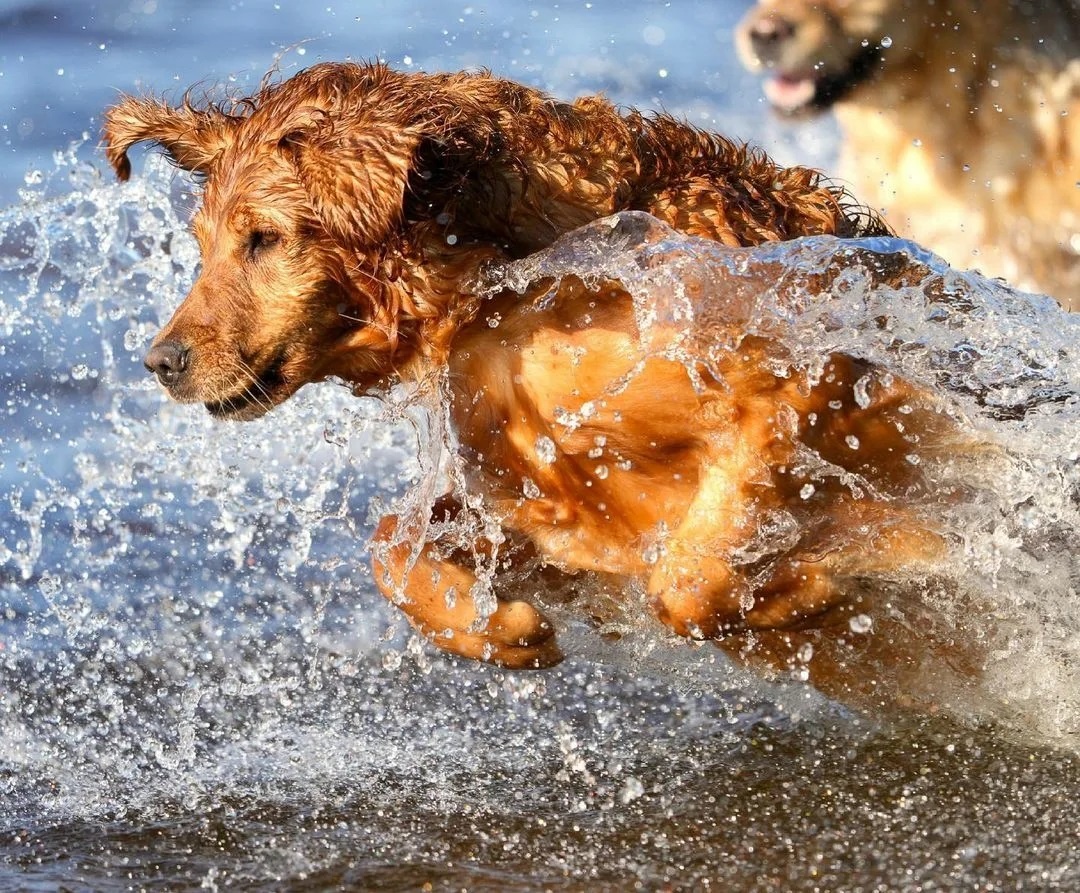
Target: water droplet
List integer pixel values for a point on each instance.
(852, 441)
(569, 420)
(49, 585)
(861, 623)
(653, 35)
(652, 553)
(601, 471)
(807, 491)
(886, 42)
(545, 450)
(862, 392)
(632, 789)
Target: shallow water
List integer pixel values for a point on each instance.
(200, 687)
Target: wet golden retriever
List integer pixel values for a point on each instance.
(350, 217)
(961, 119)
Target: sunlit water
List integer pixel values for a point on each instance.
(200, 687)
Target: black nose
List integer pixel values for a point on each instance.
(767, 32)
(167, 361)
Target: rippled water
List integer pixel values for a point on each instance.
(201, 689)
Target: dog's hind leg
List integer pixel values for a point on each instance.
(436, 595)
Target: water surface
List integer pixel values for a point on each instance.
(200, 687)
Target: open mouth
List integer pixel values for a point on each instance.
(265, 391)
(813, 91)
(791, 93)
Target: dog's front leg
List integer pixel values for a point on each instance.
(436, 595)
(693, 588)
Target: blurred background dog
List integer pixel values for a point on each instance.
(960, 119)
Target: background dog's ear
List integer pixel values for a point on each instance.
(192, 137)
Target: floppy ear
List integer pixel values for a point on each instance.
(355, 173)
(192, 137)
(374, 146)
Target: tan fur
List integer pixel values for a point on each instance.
(965, 130)
(348, 219)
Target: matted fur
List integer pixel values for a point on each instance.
(961, 119)
(365, 173)
(348, 217)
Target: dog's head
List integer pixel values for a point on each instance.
(308, 186)
(817, 52)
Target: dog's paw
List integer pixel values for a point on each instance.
(516, 636)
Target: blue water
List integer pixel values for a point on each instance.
(200, 687)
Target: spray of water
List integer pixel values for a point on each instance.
(1006, 366)
(187, 615)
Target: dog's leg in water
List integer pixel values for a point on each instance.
(693, 589)
(436, 595)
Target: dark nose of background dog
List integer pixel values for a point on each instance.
(768, 33)
(168, 361)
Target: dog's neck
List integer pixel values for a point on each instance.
(430, 285)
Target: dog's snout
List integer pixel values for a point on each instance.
(768, 32)
(168, 361)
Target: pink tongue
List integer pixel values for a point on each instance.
(788, 92)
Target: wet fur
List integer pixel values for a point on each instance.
(349, 217)
(965, 129)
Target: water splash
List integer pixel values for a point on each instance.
(1006, 364)
(189, 637)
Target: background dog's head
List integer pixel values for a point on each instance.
(308, 185)
(817, 52)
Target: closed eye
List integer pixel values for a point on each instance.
(262, 240)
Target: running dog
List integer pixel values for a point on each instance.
(350, 218)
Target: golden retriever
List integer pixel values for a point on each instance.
(350, 220)
(960, 119)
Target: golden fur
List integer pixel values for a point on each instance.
(964, 129)
(348, 219)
